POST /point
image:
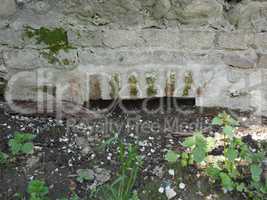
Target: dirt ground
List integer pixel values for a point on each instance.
(61, 147)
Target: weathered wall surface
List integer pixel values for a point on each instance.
(213, 50)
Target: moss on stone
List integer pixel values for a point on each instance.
(188, 80)
(55, 39)
(115, 85)
(151, 89)
(132, 80)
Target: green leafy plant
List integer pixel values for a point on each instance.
(21, 143)
(73, 196)
(3, 159)
(122, 187)
(236, 169)
(172, 156)
(37, 190)
(199, 146)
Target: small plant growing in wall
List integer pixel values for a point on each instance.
(21, 143)
(132, 81)
(188, 81)
(151, 88)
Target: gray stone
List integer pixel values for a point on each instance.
(249, 15)
(200, 12)
(24, 59)
(197, 39)
(161, 8)
(235, 41)
(165, 39)
(261, 40)
(83, 145)
(7, 8)
(122, 38)
(241, 59)
(263, 61)
(41, 7)
(33, 161)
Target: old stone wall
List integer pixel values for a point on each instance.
(212, 50)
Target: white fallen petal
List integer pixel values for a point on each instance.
(170, 193)
(182, 186)
(171, 172)
(161, 190)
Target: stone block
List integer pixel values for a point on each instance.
(121, 38)
(235, 41)
(200, 12)
(197, 39)
(161, 8)
(241, 59)
(169, 39)
(261, 40)
(262, 61)
(7, 8)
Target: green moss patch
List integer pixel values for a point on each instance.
(55, 39)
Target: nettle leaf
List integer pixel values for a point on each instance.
(231, 154)
(201, 141)
(233, 122)
(213, 172)
(229, 131)
(241, 187)
(227, 182)
(264, 188)
(200, 150)
(3, 158)
(256, 171)
(189, 142)
(27, 148)
(217, 121)
(38, 188)
(15, 147)
(199, 154)
(171, 156)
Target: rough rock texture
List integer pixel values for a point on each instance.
(211, 50)
(7, 8)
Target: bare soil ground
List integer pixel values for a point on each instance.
(61, 147)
